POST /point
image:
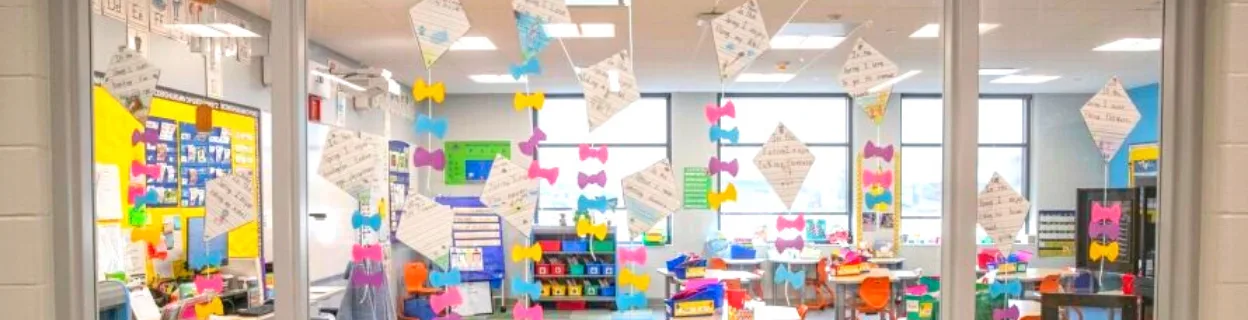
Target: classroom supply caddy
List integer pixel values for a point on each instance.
(575, 273)
(696, 302)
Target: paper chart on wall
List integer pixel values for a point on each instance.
(132, 80)
(865, 68)
(230, 204)
(162, 14)
(650, 195)
(437, 24)
(214, 73)
(740, 37)
(609, 87)
(139, 11)
(136, 257)
(511, 194)
(785, 161)
(1001, 212)
(353, 161)
(143, 305)
(426, 227)
(1110, 116)
(115, 9)
(107, 192)
(548, 11)
(110, 254)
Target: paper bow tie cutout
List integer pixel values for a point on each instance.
(1112, 213)
(585, 228)
(361, 278)
(1011, 288)
(716, 166)
(210, 308)
(137, 217)
(587, 152)
(530, 66)
(213, 283)
(424, 158)
(797, 223)
(449, 298)
(716, 199)
(137, 169)
(150, 235)
(135, 192)
(599, 179)
(873, 150)
(639, 281)
(1010, 313)
(598, 203)
(916, 290)
(533, 100)
(629, 301)
(713, 113)
(796, 280)
(878, 202)
(1110, 231)
(529, 148)
(446, 279)
(520, 253)
(882, 178)
(145, 136)
(717, 134)
(1098, 251)
(157, 251)
(359, 221)
(521, 312)
(795, 244)
(635, 255)
(536, 171)
(209, 258)
(522, 288)
(434, 126)
(735, 298)
(422, 91)
(361, 253)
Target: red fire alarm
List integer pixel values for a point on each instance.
(314, 108)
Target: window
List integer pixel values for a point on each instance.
(1003, 148)
(820, 122)
(636, 138)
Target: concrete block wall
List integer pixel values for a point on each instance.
(26, 273)
(1224, 280)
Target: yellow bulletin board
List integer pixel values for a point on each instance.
(114, 125)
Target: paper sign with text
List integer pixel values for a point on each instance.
(230, 204)
(353, 161)
(865, 68)
(609, 87)
(132, 80)
(650, 196)
(740, 37)
(511, 193)
(437, 24)
(1002, 212)
(1110, 116)
(785, 161)
(426, 227)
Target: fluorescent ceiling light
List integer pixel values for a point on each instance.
(597, 30)
(998, 71)
(1025, 79)
(592, 2)
(765, 77)
(1131, 44)
(584, 30)
(198, 30)
(473, 44)
(339, 80)
(561, 30)
(932, 30)
(234, 30)
(801, 42)
(497, 78)
(893, 81)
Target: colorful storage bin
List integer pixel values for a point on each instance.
(603, 245)
(550, 245)
(607, 290)
(593, 268)
(607, 268)
(591, 289)
(558, 289)
(558, 268)
(575, 289)
(576, 269)
(546, 288)
(543, 269)
(743, 252)
(575, 246)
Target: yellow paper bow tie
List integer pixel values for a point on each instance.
(422, 91)
(381, 207)
(639, 281)
(584, 228)
(1098, 251)
(519, 253)
(214, 307)
(715, 199)
(532, 100)
(151, 235)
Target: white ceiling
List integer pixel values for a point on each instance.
(675, 54)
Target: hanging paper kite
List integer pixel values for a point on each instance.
(1110, 116)
(784, 161)
(1002, 212)
(438, 24)
(650, 195)
(740, 37)
(609, 87)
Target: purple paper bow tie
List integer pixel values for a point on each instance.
(599, 179)
(424, 158)
(716, 167)
(795, 243)
(1109, 231)
(361, 278)
(529, 148)
(713, 113)
(1112, 213)
(873, 150)
(587, 152)
(145, 136)
(1010, 313)
(536, 171)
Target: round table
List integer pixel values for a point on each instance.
(842, 285)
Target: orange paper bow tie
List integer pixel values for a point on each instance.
(422, 91)
(715, 199)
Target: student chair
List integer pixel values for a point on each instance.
(873, 294)
(801, 311)
(717, 264)
(819, 284)
(415, 274)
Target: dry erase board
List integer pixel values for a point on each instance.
(470, 161)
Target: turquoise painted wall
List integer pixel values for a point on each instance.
(1147, 100)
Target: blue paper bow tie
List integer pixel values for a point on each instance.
(530, 66)
(793, 279)
(627, 301)
(445, 279)
(358, 221)
(717, 133)
(433, 126)
(871, 200)
(520, 288)
(597, 203)
(1009, 288)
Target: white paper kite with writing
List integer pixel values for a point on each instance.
(437, 24)
(650, 195)
(426, 227)
(1002, 212)
(353, 161)
(549, 11)
(740, 37)
(132, 80)
(865, 68)
(1110, 116)
(784, 161)
(511, 194)
(230, 203)
(609, 87)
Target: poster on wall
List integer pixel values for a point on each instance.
(162, 14)
(1056, 233)
(115, 9)
(204, 156)
(214, 73)
(139, 13)
(470, 161)
(399, 179)
(163, 153)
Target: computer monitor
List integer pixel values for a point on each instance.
(197, 247)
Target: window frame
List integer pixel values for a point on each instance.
(667, 97)
(849, 155)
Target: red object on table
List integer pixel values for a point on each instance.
(1128, 284)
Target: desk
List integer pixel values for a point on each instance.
(1036, 274)
(776, 313)
(718, 275)
(842, 285)
(888, 263)
(744, 262)
(806, 264)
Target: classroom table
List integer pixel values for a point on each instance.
(806, 264)
(1036, 274)
(842, 285)
(776, 313)
(888, 263)
(744, 262)
(719, 275)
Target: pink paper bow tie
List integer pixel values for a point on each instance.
(424, 158)
(536, 171)
(521, 312)
(636, 255)
(797, 223)
(450, 298)
(882, 178)
(795, 243)
(210, 282)
(587, 152)
(1112, 213)
(361, 253)
(713, 113)
(150, 170)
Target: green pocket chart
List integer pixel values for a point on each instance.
(470, 161)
